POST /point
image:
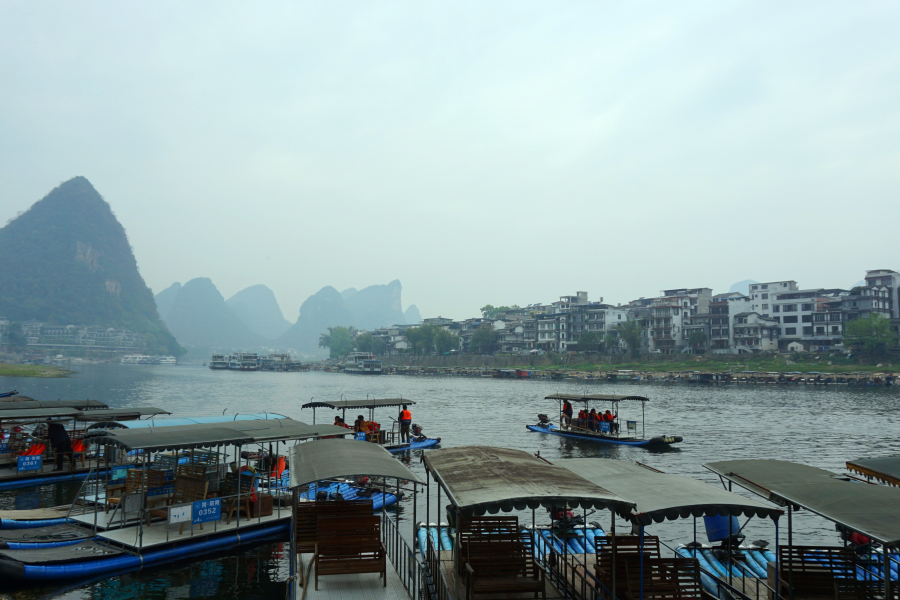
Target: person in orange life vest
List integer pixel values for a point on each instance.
(405, 422)
(582, 415)
(611, 418)
(566, 414)
(360, 425)
(593, 418)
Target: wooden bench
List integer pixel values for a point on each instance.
(137, 480)
(232, 501)
(349, 545)
(628, 551)
(814, 571)
(186, 490)
(495, 566)
(308, 513)
(664, 579)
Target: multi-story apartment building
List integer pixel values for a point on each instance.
(670, 313)
(754, 333)
(890, 280)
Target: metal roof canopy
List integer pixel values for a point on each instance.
(104, 414)
(328, 459)
(37, 413)
(598, 397)
(370, 403)
(872, 510)
(79, 404)
(885, 469)
(237, 433)
(484, 479)
(660, 496)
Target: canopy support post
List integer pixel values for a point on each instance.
(777, 562)
(790, 550)
(612, 528)
(642, 562)
(886, 571)
(730, 558)
(293, 549)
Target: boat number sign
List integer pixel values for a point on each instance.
(4, 447)
(207, 510)
(29, 463)
(119, 473)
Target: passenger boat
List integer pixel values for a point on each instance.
(362, 363)
(606, 432)
(8, 394)
(218, 362)
(184, 491)
(389, 439)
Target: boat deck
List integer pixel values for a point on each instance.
(361, 586)
(457, 588)
(47, 469)
(31, 514)
(163, 533)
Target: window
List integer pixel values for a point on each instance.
(790, 331)
(807, 331)
(765, 287)
(835, 329)
(820, 330)
(765, 296)
(789, 308)
(806, 307)
(820, 317)
(834, 317)
(765, 307)
(776, 308)
(790, 320)
(777, 319)
(807, 318)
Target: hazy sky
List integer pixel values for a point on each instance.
(479, 152)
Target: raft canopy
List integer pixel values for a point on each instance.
(660, 496)
(885, 469)
(79, 404)
(329, 459)
(595, 397)
(111, 414)
(369, 403)
(485, 479)
(37, 413)
(872, 510)
(237, 433)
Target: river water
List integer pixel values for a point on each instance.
(815, 425)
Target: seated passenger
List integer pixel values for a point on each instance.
(593, 419)
(360, 425)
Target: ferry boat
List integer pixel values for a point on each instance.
(605, 432)
(218, 362)
(362, 363)
(143, 359)
(243, 361)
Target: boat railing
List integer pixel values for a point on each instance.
(433, 584)
(727, 589)
(568, 571)
(89, 497)
(402, 556)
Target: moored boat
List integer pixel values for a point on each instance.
(605, 432)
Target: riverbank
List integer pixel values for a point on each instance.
(712, 363)
(14, 370)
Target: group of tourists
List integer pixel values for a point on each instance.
(589, 420)
(371, 428)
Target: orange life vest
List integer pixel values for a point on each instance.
(405, 415)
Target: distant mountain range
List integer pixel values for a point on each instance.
(198, 315)
(67, 261)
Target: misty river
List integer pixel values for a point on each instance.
(815, 425)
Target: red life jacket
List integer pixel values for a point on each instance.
(405, 415)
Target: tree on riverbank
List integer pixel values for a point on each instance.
(630, 332)
(369, 343)
(428, 338)
(872, 335)
(13, 338)
(589, 341)
(338, 340)
(483, 339)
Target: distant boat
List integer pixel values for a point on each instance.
(8, 394)
(362, 363)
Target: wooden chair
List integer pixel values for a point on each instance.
(186, 490)
(501, 565)
(308, 513)
(627, 553)
(814, 571)
(191, 471)
(136, 481)
(475, 528)
(349, 545)
(664, 579)
(232, 503)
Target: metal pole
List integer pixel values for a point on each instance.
(643, 435)
(790, 550)
(613, 533)
(730, 567)
(292, 546)
(642, 562)
(238, 479)
(777, 562)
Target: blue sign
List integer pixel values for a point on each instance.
(169, 475)
(118, 473)
(4, 447)
(361, 436)
(207, 510)
(29, 463)
(604, 427)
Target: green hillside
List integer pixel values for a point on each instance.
(67, 260)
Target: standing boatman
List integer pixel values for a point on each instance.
(405, 421)
(62, 445)
(567, 414)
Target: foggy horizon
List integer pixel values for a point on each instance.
(481, 154)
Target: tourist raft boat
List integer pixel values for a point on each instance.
(189, 490)
(618, 431)
(388, 439)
